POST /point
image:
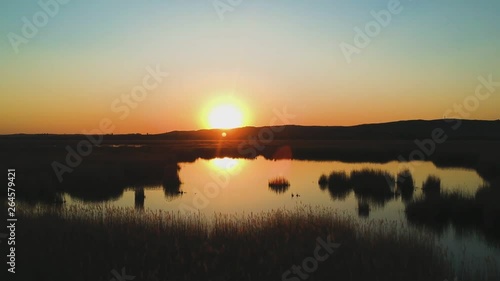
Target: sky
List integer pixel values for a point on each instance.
(156, 66)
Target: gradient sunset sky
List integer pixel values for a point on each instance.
(262, 55)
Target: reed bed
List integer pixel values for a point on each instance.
(375, 186)
(323, 182)
(372, 181)
(365, 180)
(338, 184)
(86, 243)
(463, 211)
(279, 184)
(406, 184)
(363, 209)
(443, 209)
(432, 185)
(405, 180)
(279, 181)
(339, 180)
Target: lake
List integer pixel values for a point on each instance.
(229, 185)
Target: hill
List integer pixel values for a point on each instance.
(401, 130)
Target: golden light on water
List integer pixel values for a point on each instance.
(225, 163)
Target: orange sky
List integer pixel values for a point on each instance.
(78, 70)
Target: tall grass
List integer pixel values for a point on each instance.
(86, 243)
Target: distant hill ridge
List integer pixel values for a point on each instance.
(399, 130)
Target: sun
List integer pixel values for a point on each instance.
(225, 116)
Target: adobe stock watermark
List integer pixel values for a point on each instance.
(310, 264)
(121, 106)
(223, 6)
(427, 147)
(121, 277)
(247, 148)
(363, 37)
(31, 26)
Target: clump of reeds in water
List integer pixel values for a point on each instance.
(339, 180)
(279, 181)
(139, 198)
(367, 184)
(405, 179)
(432, 185)
(436, 212)
(375, 186)
(363, 209)
(406, 184)
(464, 211)
(279, 184)
(372, 181)
(323, 182)
(337, 184)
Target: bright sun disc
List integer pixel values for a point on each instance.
(225, 117)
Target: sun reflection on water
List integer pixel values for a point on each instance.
(226, 163)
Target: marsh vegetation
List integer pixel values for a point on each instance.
(279, 184)
(369, 185)
(87, 242)
(137, 237)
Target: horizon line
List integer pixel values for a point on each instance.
(253, 126)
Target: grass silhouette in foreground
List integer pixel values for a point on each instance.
(87, 242)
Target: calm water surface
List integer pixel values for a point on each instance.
(240, 185)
